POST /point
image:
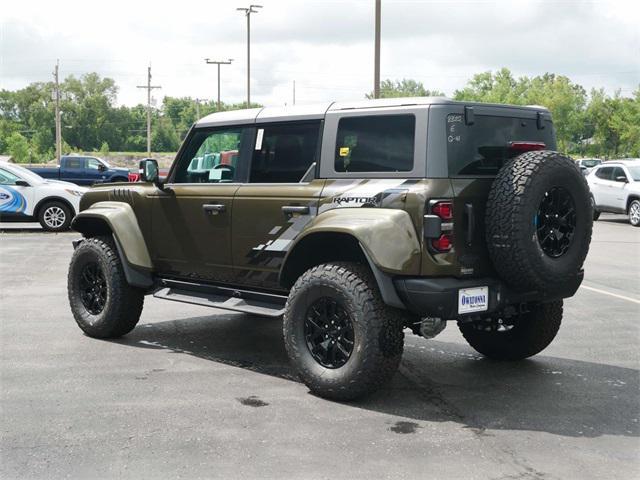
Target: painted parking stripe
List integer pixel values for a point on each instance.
(604, 292)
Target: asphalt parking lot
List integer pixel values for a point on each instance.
(199, 393)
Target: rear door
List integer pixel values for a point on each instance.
(618, 189)
(191, 217)
(475, 142)
(280, 197)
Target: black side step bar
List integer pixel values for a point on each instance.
(256, 303)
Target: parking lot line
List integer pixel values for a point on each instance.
(604, 292)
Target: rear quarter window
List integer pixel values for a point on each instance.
(482, 148)
(376, 143)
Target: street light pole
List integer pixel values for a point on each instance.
(248, 11)
(376, 59)
(218, 63)
(148, 87)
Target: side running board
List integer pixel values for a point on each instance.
(256, 303)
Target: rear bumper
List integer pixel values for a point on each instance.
(438, 297)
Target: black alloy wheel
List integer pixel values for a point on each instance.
(556, 222)
(93, 288)
(329, 333)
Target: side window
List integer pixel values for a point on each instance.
(377, 143)
(74, 163)
(7, 178)
(93, 164)
(604, 173)
(212, 156)
(283, 153)
(618, 173)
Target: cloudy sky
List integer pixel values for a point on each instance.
(326, 46)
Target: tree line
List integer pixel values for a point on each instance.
(587, 123)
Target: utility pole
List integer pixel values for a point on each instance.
(58, 123)
(218, 63)
(148, 87)
(294, 92)
(248, 11)
(376, 59)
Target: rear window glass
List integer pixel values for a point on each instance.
(376, 143)
(483, 147)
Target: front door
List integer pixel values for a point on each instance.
(191, 218)
(280, 198)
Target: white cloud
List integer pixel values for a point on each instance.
(326, 46)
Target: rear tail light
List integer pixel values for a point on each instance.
(521, 147)
(443, 209)
(442, 242)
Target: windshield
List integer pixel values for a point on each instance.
(591, 163)
(635, 173)
(25, 174)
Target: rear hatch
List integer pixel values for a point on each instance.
(479, 140)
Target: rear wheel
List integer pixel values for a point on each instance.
(55, 216)
(103, 304)
(516, 337)
(340, 336)
(634, 213)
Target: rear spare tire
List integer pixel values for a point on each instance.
(539, 221)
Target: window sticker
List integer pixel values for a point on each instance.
(344, 151)
(259, 138)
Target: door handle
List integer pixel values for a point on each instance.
(213, 209)
(295, 209)
(471, 222)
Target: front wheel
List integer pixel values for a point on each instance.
(634, 213)
(596, 213)
(55, 217)
(103, 304)
(339, 335)
(516, 337)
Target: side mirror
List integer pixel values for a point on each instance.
(621, 178)
(22, 183)
(149, 171)
(101, 167)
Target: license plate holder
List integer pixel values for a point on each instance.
(471, 300)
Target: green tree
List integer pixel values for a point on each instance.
(404, 88)
(18, 147)
(164, 137)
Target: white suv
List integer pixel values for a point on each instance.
(615, 188)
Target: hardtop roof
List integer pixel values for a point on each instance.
(318, 111)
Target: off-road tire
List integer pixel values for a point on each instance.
(533, 332)
(512, 211)
(123, 304)
(44, 216)
(378, 340)
(634, 207)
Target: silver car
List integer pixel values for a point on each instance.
(615, 188)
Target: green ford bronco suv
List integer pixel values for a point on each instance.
(352, 221)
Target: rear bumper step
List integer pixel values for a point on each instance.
(438, 297)
(256, 303)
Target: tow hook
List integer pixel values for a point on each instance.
(429, 327)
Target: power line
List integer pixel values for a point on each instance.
(149, 87)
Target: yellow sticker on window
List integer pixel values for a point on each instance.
(344, 151)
